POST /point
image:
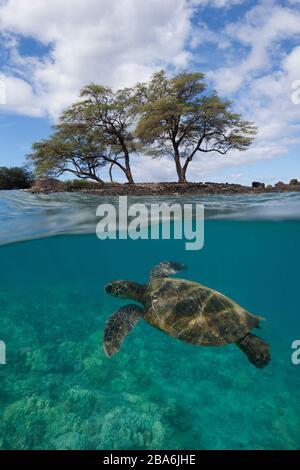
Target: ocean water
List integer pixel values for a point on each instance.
(59, 391)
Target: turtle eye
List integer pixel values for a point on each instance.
(108, 288)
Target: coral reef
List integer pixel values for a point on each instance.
(128, 428)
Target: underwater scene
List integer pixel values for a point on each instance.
(58, 389)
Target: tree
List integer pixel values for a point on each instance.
(15, 177)
(109, 114)
(177, 118)
(91, 133)
(71, 149)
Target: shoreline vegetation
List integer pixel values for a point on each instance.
(16, 178)
(160, 189)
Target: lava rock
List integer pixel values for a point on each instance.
(47, 185)
(257, 184)
(280, 185)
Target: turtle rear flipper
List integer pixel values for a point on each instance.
(166, 269)
(118, 326)
(257, 350)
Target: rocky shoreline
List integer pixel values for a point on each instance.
(148, 189)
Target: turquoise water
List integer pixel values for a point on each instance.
(59, 390)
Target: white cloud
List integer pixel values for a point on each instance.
(260, 82)
(260, 85)
(115, 43)
(262, 30)
(120, 42)
(217, 3)
(19, 95)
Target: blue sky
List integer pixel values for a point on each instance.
(249, 50)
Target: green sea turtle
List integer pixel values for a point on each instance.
(185, 310)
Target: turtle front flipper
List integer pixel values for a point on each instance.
(118, 326)
(166, 269)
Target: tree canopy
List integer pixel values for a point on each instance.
(92, 133)
(177, 118)
(71, 149)
(109, 116)
(167, 117)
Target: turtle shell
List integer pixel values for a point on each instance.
(197, 314)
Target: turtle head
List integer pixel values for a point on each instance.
(126, 290)
(119, 289)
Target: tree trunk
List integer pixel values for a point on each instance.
(129, 176)
(181, 172)
(181, 177)
(128, 169)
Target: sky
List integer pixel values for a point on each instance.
(249, 51)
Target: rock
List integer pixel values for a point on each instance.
(280, 185)
(47, 185)
(269, 186)
(257, 184)
(157, 189)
